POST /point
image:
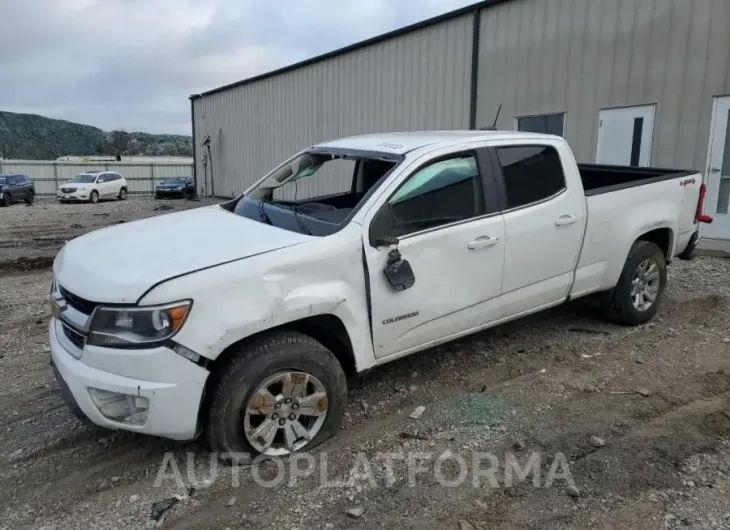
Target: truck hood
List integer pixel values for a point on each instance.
(118, 264)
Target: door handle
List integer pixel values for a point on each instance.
(564, 220)
(715, 170)
(482, 242)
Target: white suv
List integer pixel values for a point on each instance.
(93, 186)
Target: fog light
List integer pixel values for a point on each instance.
(120, 407)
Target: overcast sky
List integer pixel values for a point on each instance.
(133, 63)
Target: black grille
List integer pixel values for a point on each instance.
(67, 190)
(79, 304)
(74, 336)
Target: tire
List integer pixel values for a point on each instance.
(621, 307)
(6, 199)
(30, 198)
(249, 367)
(122, 194)
(94, 197)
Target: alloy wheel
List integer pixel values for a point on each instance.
(285, 413)
(645, 285)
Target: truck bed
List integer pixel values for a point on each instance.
(599, 179)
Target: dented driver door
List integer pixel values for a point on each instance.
(443, 223)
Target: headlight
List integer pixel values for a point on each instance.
(130, 327)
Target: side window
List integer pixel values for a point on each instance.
(543, 124)
(14, 180)
(531, 173)
(102, 178)
(444, 192)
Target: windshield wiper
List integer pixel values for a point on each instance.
(302, 226)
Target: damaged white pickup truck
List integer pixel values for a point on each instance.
(244, 325)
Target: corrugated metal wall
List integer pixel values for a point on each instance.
(420, 80)
(535, 57)
(48, 175)
(579, 56)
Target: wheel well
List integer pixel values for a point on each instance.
(326, 329)
(661, 237)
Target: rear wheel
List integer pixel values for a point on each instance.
(122, 194)
(94, 197)
(6, 199)
(280, 394)
(635, 299)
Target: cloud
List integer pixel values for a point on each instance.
(133, 63)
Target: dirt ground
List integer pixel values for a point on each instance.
(627, 427)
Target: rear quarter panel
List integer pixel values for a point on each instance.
(617, 219)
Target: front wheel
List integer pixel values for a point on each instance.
(122, 194)
(6, 199)
(94, 197)
(635, 299)
(30, 198)
(278, 395)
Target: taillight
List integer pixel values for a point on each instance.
(701, 217)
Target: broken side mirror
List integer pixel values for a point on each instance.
(398, 272)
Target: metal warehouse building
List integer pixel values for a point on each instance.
(634, 82)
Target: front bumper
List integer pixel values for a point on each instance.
(172, 385)
(78, 195)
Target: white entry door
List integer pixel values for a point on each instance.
(717, 201)
(624, 136)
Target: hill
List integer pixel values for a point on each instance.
(33, 137)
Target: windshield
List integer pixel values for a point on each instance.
(3, 180)
(316, 192)
(174, 180)
(84, 178)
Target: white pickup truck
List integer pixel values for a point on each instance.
(245, 325)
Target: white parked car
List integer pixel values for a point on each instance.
(93, 186)
(245, 325)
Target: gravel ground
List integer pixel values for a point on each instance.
(628, 427)
(31, 235)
